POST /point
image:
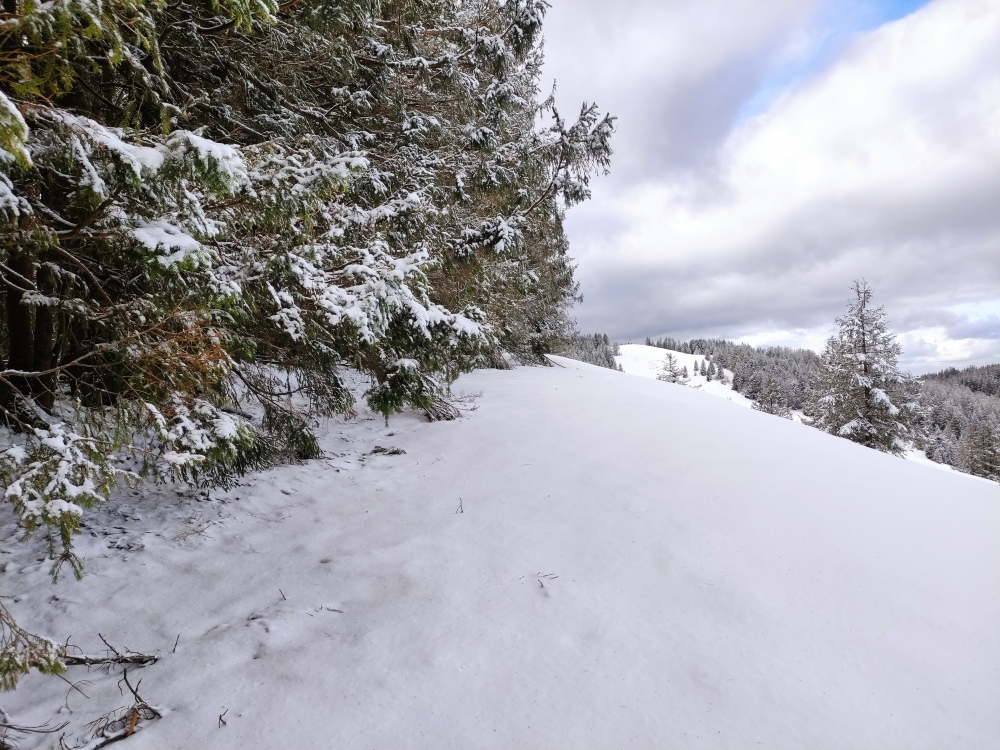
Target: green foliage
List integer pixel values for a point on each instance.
(20, 652)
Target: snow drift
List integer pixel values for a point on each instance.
(590, 560)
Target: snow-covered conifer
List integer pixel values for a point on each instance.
(671, 372)
(770, 398)
(941, 445)
(859, 391)
(979, 450)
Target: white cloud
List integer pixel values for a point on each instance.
(886, 164)
(675, 73)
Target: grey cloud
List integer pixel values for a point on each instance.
(921, 348)
(920, 318)
(671, 115)
(986, 328)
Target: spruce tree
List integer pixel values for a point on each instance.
(942, 445)
(954, 411)
(858, 391)
(978, 450)
(671, 372)
(770, 398)
(211, 210)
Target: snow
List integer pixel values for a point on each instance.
(137, 157)
(634, 565)
(921, 458)
(10, 204)
(227, 158)
(162, 234)
(647, 362)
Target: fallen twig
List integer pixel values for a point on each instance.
(114, 657)
(390, 451)
(118, 724)
(441, 410)
(9, 731)
(127, 658)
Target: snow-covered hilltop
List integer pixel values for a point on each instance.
(590, 559)
(647, 362)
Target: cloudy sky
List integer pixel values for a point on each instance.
(769, 152)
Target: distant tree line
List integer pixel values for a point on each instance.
(592, 348)
(984, 379)
(774, 368)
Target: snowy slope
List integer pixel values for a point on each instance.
(647, 362)
(636, 565)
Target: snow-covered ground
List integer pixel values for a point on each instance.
(634, 565)
(647, 362)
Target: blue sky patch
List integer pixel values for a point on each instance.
(833, 25)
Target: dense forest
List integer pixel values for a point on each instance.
(961, 414)
(210, 210)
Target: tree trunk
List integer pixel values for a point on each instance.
(19, 328)
(21, 346)
(44, 388)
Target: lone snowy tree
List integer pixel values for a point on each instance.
(859, 392)
(671, 372)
